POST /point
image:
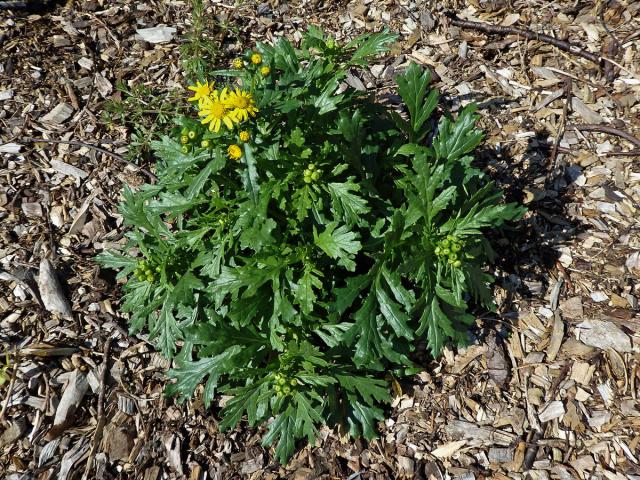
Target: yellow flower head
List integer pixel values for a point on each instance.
(241, 104)
(200, 91)
(216, 111)
(256, 59)
(234, 151)
(265, 71)
(244, 136)
(237, 63)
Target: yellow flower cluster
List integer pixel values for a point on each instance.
(218, 107)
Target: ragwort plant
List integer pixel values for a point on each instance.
(301, 239)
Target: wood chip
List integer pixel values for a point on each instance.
(51, 292)
(604, 335)
(58, 115)
(448, 449)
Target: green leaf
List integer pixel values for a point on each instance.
(401, 294)
(339, 243)
(250, 174)
(458, 138)
(368, 45)
(362, 419)
(201, 179)
(117, 261)
(171, 152)
(327, 101)
(190, 374)
(412, 87)
(306, 416)
(304, 294)
(449, 297)
(437, 325)
(345, 296)
(165, 328)
(391, 311)
(347, 205)
(365, 335)
(173, 203)
(283, 428)
(245, 399)
(369, 389)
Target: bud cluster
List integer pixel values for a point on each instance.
(311, 173)
(450, 249)
(190, 137)
(145, 271)
(284, 386)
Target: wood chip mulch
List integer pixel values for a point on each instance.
(549, 386)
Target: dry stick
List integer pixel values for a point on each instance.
(97, 434)
(561, 44)
(594, 127)
(92, 147)
(14, 373)
(563, 123)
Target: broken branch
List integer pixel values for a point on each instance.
(120, 158)
(528, 34)
(594, 127)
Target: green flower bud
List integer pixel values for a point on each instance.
(293, 382)
(191, 134)
(149, 278)
(158, 269)
(286, 390)
(307, 180)
(278, 388)
(311, 166)
(453, 257)
(438, 251)
(184, 131)
(205, 144)
(446, 252)
(445, 243)
(184, 139)
(307, 172)
(457, 264)
(185, 149)
(456, 247)
(315, 175)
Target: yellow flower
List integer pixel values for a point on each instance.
(265, 71)
(237, 63)
(216, 111)
(234, 151)
(256, 59)
(244, 136)
(242, 105)
(200, 91)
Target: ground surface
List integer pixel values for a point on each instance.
(549, 388)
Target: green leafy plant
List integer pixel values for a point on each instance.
(295, 265)
(200, 49)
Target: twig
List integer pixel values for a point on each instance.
(610, 48)
(97, 434)
(528, 34)
(594, 127)
(563, 122)
(14, 372)
(630, 153)
(120, 158)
